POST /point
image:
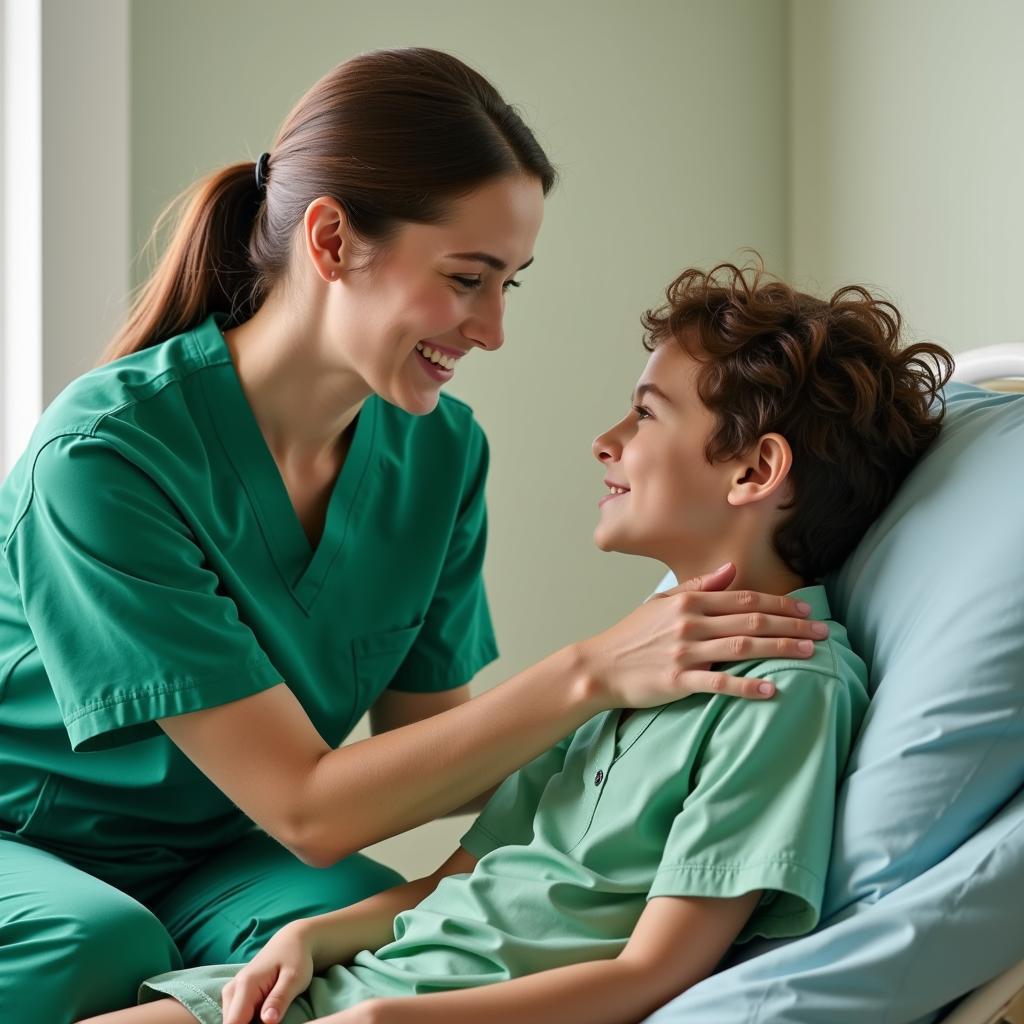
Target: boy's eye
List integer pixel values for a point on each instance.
(642, 412)
(476, 282)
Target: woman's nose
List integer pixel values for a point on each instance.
(485, 327)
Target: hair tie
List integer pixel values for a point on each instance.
(262, 170)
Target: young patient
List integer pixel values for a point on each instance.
(769, 428)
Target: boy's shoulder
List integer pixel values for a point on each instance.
(832, 659)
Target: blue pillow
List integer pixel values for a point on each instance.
(933, 600)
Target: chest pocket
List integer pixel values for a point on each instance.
(376, 658)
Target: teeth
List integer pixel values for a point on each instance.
(437, 358)
(618, 490)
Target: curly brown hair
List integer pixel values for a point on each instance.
(856, 408)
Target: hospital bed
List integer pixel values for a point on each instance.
(924, 899)
(1000, 367)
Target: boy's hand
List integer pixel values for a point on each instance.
(271, 980)
(664, 649)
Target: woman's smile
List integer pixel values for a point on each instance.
(437, 364)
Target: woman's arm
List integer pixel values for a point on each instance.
(395, 708)
(264, 753)
(677, 942)
(324, 804)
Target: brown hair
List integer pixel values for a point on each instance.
(830, 377)
(393, 135)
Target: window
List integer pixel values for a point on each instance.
(20, 225)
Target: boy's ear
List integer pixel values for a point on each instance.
(763, 472)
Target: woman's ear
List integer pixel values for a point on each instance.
(763, 472)
(327, 235)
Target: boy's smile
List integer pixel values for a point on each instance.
(615, 491)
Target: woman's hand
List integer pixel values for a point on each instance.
(272, 979)
(664, 649)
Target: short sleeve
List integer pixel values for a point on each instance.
(457, 638)
(507, 819)
(760, 811)
(129, 620)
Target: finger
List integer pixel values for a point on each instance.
(747, 648)
(717, 579)
(709, 627)
(734, 602)
(701, 681)
(237, 1001)
(280, 998)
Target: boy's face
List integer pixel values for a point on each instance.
(674, 507)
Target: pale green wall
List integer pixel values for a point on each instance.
(908, 158)
(667, 120)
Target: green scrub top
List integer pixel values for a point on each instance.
(710, 796)
(154, 565)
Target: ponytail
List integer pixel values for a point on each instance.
(206, 266)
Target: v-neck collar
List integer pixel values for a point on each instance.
(303, 569)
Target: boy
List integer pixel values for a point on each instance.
(768, 429)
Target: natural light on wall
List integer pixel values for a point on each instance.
(21, 326)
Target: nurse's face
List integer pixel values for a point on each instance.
(437, 294)
(665, 500)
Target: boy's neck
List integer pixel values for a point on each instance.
(773, 577)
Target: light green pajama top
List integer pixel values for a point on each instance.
(153, 564)
(709, 796)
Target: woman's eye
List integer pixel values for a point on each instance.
(476, 282)
(642, 412)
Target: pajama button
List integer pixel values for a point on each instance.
(599, 777)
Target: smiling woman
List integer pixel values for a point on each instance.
(347, 328)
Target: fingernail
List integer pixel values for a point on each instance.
(819, 629)
(270, 1016)
(724, 565)
(766, 688)
(803, 607)
(805, 646)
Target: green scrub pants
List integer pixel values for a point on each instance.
(72, 945)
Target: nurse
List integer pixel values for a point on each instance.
(259, 518)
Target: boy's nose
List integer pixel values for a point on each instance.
(603, 448)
